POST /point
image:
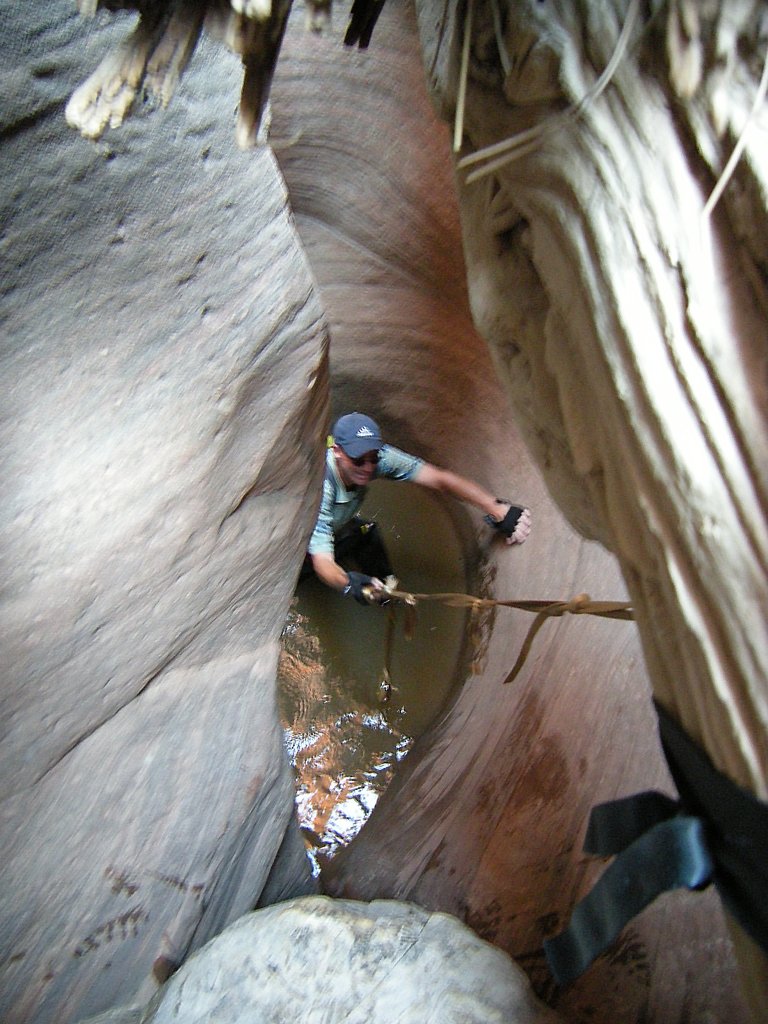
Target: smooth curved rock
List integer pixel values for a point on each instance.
(630, 331)
(163, 384)
(627, 315)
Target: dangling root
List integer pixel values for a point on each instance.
(518, 145)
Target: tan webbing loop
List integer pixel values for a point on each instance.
(581, 604)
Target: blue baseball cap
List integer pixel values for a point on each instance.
(357, 434)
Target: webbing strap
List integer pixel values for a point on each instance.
(613, 826)
(737, 827)
(670, 855)
(717, 832)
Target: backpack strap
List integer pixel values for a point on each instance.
(717, 832)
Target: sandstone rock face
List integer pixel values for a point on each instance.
(163, 389)
(322, 960)
(629, 326)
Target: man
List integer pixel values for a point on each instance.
(357, 456)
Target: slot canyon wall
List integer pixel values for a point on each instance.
(167, 302)
(617, 267)
(164, 382)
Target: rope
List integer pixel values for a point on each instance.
(581, 604)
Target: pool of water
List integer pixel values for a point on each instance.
(345, 730)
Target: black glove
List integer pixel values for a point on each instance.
(509, 522)
(358, 580)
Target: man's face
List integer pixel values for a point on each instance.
(356, 472)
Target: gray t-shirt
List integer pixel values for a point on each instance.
(339, 505)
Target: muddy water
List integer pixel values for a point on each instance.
(344, 728)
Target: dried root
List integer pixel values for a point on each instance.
(364, 15)
(105, 98)
(258, 43)
(500, 153)
(171, 56)
(260, 10)
(685, 47)
(154, 56)
(260, 55)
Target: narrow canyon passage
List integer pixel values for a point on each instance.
(183, 319)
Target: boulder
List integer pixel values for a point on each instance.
(316, 959)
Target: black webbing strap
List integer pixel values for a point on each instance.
(737, 828)
(717, 832)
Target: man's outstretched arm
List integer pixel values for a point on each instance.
(329, 571)
(446, 482)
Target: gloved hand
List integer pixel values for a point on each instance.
(358, 580)
(516, 524)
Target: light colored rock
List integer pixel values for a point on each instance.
(131, 588)
(629, 340)
(326, 961)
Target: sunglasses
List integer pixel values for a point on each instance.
(371, 459)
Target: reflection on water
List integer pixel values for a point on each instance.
(344, 730)
(341, 742)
